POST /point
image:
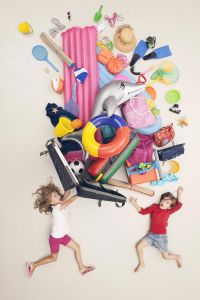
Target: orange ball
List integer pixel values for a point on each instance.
(76, 124)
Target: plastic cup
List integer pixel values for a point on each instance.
(63, 127)
(25, 27)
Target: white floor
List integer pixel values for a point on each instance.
(107, 235)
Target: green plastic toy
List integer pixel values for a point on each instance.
(98, 15)
(173, 96)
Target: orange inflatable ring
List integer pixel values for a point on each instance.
(114, 147)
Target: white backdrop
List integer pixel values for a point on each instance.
(107, 235)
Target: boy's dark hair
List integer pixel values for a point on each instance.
(42, 197)
(171, 197)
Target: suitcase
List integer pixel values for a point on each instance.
(84, 188)
(89, 190)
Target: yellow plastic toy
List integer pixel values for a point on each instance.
(170, 166)
(101, 45)
(183, 121)
(175, 167)
(25, 27)
(151, 103)
(66, 126)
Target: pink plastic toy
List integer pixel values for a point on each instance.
(124, 59)
(112, 20)
(80, 44)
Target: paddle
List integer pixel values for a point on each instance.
(40, 53)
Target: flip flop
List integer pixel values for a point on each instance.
(89, 269)
(28, 269)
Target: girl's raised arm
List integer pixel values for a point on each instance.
(67, 202)
(133, 201)
(66, 195)
(179, 193)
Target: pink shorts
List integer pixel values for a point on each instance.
(55, 242)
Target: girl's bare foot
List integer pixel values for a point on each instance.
(86, 269)
(83, 268)
(30, 269)
(139, 267)
(179, 261)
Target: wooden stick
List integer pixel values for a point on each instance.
(136, 188)
(46, 39)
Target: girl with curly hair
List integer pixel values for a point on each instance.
(48, 199)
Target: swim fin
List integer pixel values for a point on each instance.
(159, 53)
(139, 52)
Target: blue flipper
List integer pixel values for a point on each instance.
(139, 52)
(159, 53)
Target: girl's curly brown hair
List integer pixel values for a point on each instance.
(42, 197)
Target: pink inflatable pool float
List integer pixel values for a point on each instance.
(80, 45)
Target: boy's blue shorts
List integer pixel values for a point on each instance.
(159, 241)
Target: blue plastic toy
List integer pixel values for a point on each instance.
(145, 167)
(139, 52)
(40, 53)
(166, 178)
(159, 53)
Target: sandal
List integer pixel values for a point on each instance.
(89, 269)
(29, 270)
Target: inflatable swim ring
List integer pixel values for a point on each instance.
(114, 147)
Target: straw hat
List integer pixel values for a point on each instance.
(124, 38)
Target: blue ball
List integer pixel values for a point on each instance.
(80, 74)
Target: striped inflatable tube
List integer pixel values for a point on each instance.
(114, 147)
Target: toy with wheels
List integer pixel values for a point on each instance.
(114, 147)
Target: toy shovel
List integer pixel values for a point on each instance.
(98, 14)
